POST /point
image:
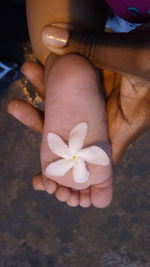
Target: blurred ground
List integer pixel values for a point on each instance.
(38, 231)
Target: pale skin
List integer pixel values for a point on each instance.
(64, 15)
(70, 90)
(118, 139)
(128, 117)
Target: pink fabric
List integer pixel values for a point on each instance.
(137, 11)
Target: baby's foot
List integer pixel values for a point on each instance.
(73, 95)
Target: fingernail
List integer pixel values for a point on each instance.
(55, 36)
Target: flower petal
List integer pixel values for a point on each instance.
(80, 172)
(77, 137)
(59, 167)
(94, 155)
(58, 146)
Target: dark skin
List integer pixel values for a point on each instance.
(126, 53)
(132, 50)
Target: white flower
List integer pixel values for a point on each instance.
(74, 155)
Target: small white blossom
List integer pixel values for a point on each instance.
(74, 155)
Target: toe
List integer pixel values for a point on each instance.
(63, 194)
(101, 194)
(49, 185)
(85, 198)
(102, 197)
(37, 182)
(74, 199)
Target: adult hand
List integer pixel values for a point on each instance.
(120, 52)
(127, 108)
(128, 96)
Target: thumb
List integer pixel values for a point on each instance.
(64, 39)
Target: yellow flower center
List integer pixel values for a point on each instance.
(74, 157)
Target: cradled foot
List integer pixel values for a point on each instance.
(74, 97)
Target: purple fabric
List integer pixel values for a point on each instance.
(136, 11)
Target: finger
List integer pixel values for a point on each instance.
(37, 182)
(101, 48)
(94, 45)
(26, 114)
(60, 40)
(35, 74)
(101, 194)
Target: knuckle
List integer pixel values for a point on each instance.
(87, 44)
